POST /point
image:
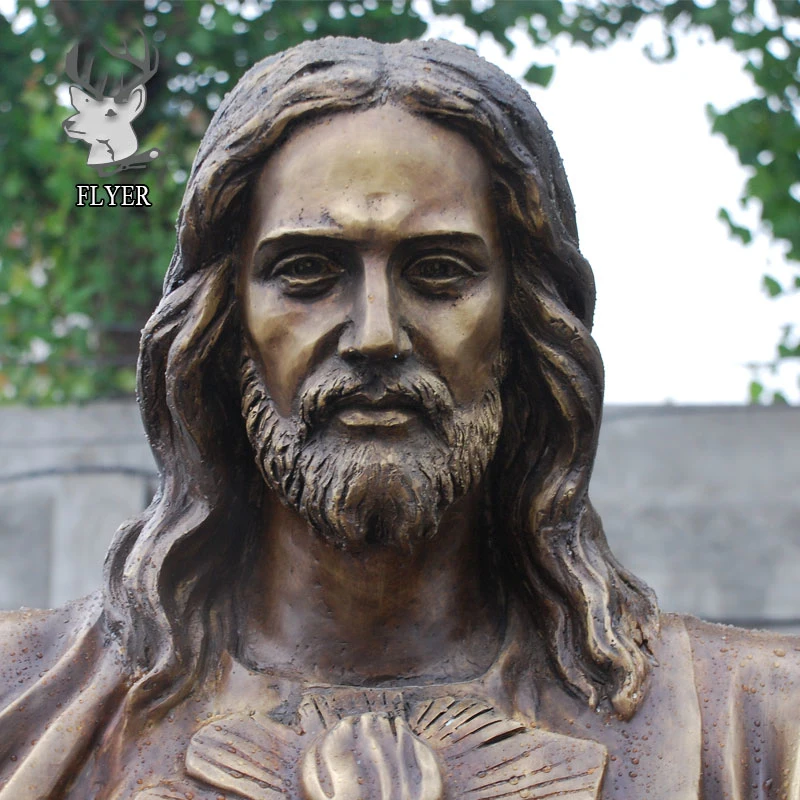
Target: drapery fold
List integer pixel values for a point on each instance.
(62, 680)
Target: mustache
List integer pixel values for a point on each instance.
(408, 385)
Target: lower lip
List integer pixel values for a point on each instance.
(359, 417)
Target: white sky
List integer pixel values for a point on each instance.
(680, 309)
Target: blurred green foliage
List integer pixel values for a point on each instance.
(76, 287)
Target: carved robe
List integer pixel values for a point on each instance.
(720, 719)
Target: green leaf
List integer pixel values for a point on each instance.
(772, 287)
(738, 231)
(756, 390)
(540, 75)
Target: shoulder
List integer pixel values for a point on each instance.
(748, 694)
(740, 668)
(33, 640)
(742, 648)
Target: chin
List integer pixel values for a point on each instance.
(371, 501)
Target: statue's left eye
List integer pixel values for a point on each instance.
(111, 113)
(438, 274)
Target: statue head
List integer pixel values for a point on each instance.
(372, 289)
(226, 429)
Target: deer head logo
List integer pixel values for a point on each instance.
(105, 122)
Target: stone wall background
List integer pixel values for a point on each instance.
(701, 502)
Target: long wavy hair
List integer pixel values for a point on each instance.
(169, 573)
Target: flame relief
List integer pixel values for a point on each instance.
(370, 745)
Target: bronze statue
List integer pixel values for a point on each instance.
(372, 569)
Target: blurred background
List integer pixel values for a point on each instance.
(679, 125)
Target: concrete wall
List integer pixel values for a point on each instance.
(702, 503)
(68, 478)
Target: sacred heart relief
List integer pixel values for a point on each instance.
(438, 749)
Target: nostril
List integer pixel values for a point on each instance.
(68, 123)
(352, 354)
(357, 355)
(373, 341)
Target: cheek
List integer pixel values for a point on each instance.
(464, 339)
(289, 338)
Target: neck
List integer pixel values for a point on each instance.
(378, 616)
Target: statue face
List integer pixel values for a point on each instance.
(373, 289)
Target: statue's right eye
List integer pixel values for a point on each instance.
(307, 274)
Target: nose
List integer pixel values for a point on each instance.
(375, 330)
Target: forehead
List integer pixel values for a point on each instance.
(379, 170)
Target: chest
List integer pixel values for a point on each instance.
(403, 745)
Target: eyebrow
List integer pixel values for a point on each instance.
(285, 238)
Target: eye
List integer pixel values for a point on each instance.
(439, 274)
(111, 113)
(307, 274)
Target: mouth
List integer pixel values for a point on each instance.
(367, 417)
(388, 412)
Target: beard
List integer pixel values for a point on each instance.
(380, 489)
